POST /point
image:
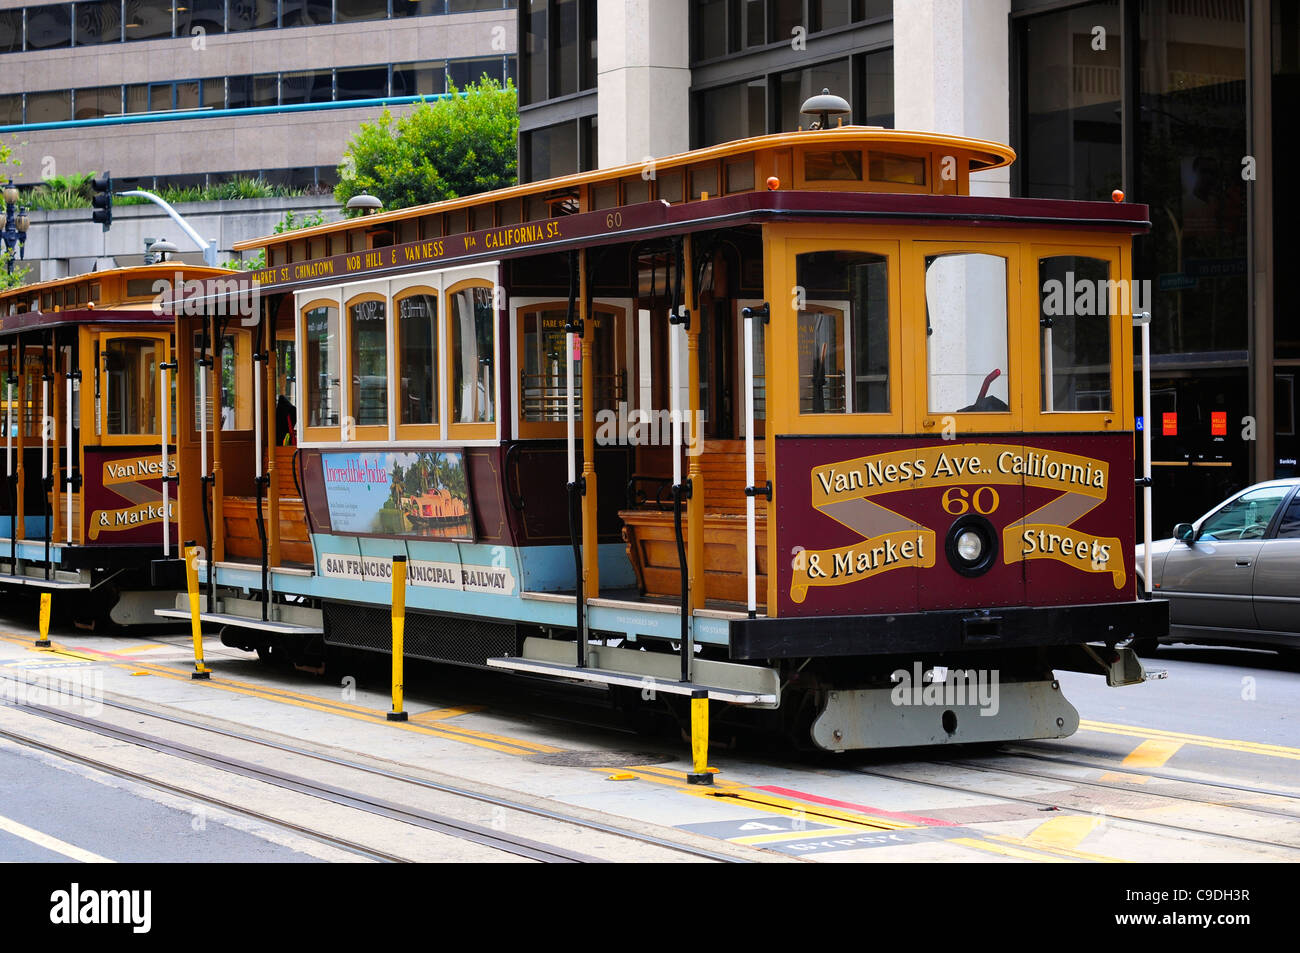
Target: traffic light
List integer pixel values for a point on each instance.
(102, 200)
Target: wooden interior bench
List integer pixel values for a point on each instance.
(239, 518)
(652, 542)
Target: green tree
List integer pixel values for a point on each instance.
(459, 145)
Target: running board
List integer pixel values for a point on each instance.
(243, 622)
(651, 672)
(40, 582)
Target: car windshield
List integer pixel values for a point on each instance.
(1246, 517)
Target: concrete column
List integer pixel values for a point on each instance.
(951, 74)
(644, 79)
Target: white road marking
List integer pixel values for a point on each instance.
(51, 843)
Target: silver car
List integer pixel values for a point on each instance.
(1233, 576)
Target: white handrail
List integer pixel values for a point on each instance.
(67, 457)
(166, 400)
(570, 408)
(1146, 448)
(751, 569)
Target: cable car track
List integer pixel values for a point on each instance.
(439, 823)
(1056, 805)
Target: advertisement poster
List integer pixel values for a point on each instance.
(381, 493)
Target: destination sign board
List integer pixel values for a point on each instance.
(484, 243)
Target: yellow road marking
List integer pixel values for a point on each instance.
(1204, 741)
(1055, 849)
(1152, 753)
(50, 843)
(1006, 850)
(439, 714)
(1121, 778)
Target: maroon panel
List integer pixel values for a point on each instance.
(863, 522)
(122, 495)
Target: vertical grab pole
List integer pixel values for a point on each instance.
(1144, 318)
(47, 424)
(11, 378)
(573, 330)
(399, 636)
(1049, 371)
(166, 406)
(678, 318)
(751, 541)
(67, 455)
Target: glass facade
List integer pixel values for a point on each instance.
(51, 26)
(1151, 96)
(429, 77)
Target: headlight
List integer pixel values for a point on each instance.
(970, 546)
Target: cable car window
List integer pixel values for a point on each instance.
(417, 335)
(368, 362)
(1074, 333)
(473, 366)
(131, 385)
(843, 332)
(966, 333)
(232, 382)
(322, 366)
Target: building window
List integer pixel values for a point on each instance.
(796, 86)
(243, 91)
(206, 15)
(11, 31)
(147, 20)
(363, 82)
(877, 106)
(49, 28)
(552, 151)
(98, 102)
(350, 11)
(307, 86)
(100, 22)
(252, 15)
(463, 72)
(732, 112)
(425, 78)
(418, 8)
(50, 106)
(305, 12)
(11, 109)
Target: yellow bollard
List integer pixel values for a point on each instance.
(44, 641)
(700, 738)
(196, 627)
(399, 633)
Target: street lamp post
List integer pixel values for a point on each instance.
(16, 222)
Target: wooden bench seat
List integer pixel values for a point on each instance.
(652, 542)
(239, 516)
